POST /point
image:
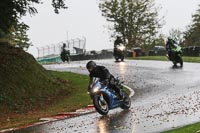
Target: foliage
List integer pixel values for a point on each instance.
(18, 37)
(136, 21)
(11, 12)
(191, 36)
(176, 35)
(158, 41)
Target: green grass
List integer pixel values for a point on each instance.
(193, 128)
(164, 58)
(78, 83)
(77, 98)
(29, 92)
(160, 58)
(191, 59)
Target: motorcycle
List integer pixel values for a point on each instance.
(119, 52)
(65, 55)
(176, 56)
(105, 99)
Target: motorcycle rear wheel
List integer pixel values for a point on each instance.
(100, 105)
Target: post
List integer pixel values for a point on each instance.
(134, 54)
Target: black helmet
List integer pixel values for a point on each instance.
(91, 64)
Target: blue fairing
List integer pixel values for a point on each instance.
(110, 96)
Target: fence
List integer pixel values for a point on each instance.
(191, 51)
(76, 46)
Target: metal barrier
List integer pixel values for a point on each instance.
(75, 46)
(104, 54)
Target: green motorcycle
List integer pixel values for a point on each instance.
(175, 55)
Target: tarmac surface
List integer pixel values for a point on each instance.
(165, 98)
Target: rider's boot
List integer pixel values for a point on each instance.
(121, 95)
(119, 92)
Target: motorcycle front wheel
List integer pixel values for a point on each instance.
(100, 105)
(178, 60)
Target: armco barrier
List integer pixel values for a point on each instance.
(92, 57)
(57, 59)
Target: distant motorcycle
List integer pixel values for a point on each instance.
(105, 98)
(65, 55)
(176, 56)
(119, 52)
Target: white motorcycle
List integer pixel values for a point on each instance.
(119, 52)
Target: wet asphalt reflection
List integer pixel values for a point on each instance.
(165, 98)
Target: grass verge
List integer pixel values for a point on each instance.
(193, 128)
(78, 98)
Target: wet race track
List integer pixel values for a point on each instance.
(165, 98)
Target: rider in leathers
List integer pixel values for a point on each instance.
(117, 42)
(170, 46)
(104, 75)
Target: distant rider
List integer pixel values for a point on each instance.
(170, 47)
(104, 75)
(64, 48)
(65, 52)
(118, 41)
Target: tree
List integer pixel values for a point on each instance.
(11, 12)
(158, 41)
(17, 36)
(191, 36)
(135, 20)
(176, 35)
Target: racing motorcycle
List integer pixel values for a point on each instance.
(176, 56)
(105, 99)
(65, 55)
(119, 52)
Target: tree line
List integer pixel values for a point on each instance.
(136, 21)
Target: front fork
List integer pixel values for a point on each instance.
(102, 98)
